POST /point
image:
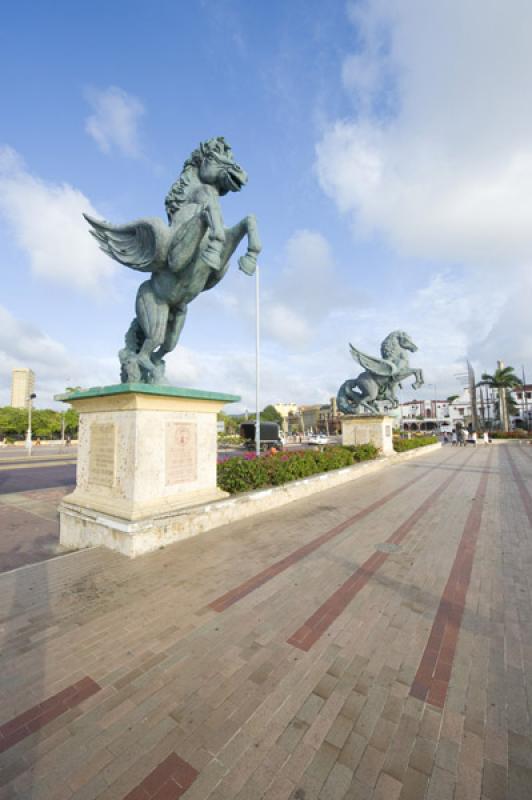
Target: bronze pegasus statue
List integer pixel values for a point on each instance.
(380, 376)
(187, 256)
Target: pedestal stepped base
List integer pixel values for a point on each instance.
(145, 453)
(366, 429)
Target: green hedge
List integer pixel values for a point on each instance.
(401, 445)
(230, 440)
(245, 473)
(517, 434)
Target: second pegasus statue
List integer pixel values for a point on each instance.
(381, 376)
(187, 256)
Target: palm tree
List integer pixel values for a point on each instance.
(504, 380)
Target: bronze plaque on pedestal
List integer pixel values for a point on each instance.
(102, 454)
(181, 459)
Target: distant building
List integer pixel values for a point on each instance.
(22, 385)
(522, 396)
(315, 418)
(286, 410)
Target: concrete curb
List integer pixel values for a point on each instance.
(88, 528)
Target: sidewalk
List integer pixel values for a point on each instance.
(373, 641)
(29, 526)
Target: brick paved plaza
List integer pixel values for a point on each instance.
(374, 641)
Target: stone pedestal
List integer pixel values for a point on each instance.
(363, 429)
(145, 453)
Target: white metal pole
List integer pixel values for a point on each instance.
(257, 362)
(28, 440)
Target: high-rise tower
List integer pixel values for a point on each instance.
(22, 385)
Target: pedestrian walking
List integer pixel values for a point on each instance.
(454, 439)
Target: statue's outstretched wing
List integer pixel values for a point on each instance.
(385, 369)
(141, 245)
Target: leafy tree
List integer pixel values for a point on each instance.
(13, 422)
(503, 380)
(71, 422)
(232, 424)
(270, 414)
(45, 423)
(452, 398)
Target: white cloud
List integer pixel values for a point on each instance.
(448, 173)
(284, 374)
(114, 121)
(308, 289)
(436, 158)
(22, 344)
(297, 297)
(47, 224)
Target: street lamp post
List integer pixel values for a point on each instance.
(31, 398)
(525, 401)
(257, 362)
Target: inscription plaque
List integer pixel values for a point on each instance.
(181, 461)
(102, 454)
(363, 434)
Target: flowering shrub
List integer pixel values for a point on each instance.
(401, 445)
(245, 473)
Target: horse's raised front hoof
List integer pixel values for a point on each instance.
(248, 264)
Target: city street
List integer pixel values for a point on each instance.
(29, 475)
(371, 641)
(30, 490)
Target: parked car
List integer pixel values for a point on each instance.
(270, 435)
(318, 438)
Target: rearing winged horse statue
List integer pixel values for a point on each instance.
(380, 376)
(188, 256)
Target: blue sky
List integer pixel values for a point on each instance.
(389, 155)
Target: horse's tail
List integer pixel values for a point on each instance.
(134, 338)
(347, 400)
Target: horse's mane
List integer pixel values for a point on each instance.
(177, 194)
(390, 345)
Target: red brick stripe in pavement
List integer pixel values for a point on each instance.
(234, 595)
(524, 494)
(36, 717)
(316, 625)
(434, 671)
(168, 781)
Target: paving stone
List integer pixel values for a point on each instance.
(255, 716)
(387, 788)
